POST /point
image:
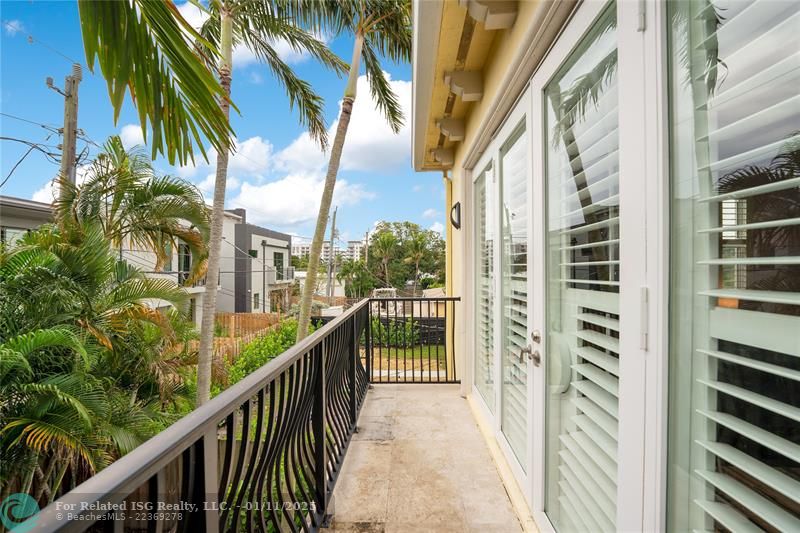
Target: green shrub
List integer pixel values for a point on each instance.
(397, 332)
(263, 349)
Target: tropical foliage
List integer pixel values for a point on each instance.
(263, 349)
(401, 255)
(381, 29)
(256, 25)
(137, 208)
(142, 48)
(89, 368)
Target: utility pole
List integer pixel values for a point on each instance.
(70, 132)
(366, 247)
(331, 258)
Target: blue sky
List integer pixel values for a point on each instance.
(277, 172)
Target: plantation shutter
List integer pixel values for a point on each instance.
(583, 298)
(735, 328)
(484, 290)
(514, 179)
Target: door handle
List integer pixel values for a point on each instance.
(523, 351)
(536, 357)
(536, 336)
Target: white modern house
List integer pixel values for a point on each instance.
(257, 274)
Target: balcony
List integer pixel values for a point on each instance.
(309, 442)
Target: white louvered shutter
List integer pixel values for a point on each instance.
(735, 324)
(583, 286)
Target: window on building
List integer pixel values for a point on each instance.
(9, 236)
(184, 262)
(277, 259)
(168, 253)
(256, 301)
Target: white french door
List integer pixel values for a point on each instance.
(589, 259)
(502, 283)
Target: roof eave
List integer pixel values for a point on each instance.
(427, 26)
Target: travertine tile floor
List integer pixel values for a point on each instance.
(418, 464)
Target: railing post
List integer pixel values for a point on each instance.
(318, 428)
(352, 372)
(368, 342)
(210, 500)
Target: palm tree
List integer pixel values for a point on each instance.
(417, 248)
(141, 48)
(256, 25)
(380, 28)
(136, 207)
(384, 246)
(65, 408)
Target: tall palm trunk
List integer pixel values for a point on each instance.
(205, 355)
(327, 193)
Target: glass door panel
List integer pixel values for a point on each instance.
(734, 411)
(514, 182)
(582, 274)
(484, 287)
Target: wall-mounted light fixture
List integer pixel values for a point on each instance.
(455, 215)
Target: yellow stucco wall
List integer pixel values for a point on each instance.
(498, 57)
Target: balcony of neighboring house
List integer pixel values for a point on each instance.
(359, 427)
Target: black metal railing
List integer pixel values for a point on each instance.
(264, 455)
(411, 340)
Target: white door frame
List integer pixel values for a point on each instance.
(642, 30)
(644, 203)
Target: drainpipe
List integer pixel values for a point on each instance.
(263, 301)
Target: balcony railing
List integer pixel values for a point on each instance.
(280, 275)
(266, 453)
(412, 340)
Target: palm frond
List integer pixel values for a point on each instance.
(141, 48)
(380, 89)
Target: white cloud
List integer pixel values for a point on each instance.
(193, 14)
(131, 135)
(438, 227)
(207, 186)
(242, 56)
(256, 78)
(13, 27)
(49, 191)
(416, 188)
(371, 145)
(293, 199)
(430, 213)
(252, 158)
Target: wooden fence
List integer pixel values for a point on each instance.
(246, 327)
(233, 325)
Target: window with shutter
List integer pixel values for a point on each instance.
(582, 184)
(734, 434)
(484, 288)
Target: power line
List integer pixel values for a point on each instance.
(33, 40)
(54, 129)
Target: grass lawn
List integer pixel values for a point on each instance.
(416, 358)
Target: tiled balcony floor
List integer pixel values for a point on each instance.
(419, 463)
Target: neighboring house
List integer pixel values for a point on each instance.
(18, 216)
(262, 275)
(622, 181)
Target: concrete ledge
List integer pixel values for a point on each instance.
(515, 494)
